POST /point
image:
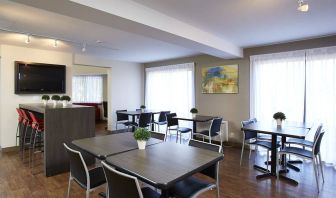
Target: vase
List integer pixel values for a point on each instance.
(194, 115)
(65, 103)
(142, 110)
(141, 144)
(55, 103)
(279, 122)
(45, 102)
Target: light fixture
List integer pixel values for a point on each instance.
(27, 39)
(303, 6)
(55, 43)
(84, 47)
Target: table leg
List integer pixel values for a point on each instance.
(273, 160)
(193, 130)
(152, 127)
(133, 121)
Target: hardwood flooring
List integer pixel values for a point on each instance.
(18, 180)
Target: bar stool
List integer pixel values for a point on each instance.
(37, 132)
(25, 136)
(19, 127)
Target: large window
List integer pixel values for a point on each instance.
(170, 88)
(87, 89)
(301, 84)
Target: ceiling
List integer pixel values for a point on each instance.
(152, 30)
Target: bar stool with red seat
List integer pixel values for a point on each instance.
(38, 131)
(25, 136)
(19, 127)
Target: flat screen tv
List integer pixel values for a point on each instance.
(38, 78)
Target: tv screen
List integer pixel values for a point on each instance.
(33, 78)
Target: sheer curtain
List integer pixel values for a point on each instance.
(277, 84)
(170, 88)
(87, 89)
(321, 97)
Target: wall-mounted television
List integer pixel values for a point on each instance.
(38, 78)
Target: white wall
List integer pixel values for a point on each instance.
(8, 100)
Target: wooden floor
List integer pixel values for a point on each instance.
(17, 180)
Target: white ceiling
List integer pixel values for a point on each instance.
(253, 22)
(160, 29)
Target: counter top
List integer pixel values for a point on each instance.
(41, 108)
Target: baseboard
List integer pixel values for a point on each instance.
(10, 149)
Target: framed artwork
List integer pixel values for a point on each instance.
(220, 79)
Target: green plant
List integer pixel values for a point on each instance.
(142, 107)
(45, 97)
(279, 115)
(142, 134)
(67, 98)
(55, 97)
(193, 110)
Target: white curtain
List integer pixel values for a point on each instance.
(277, 84)
(87, 89)
(321, 97)
(170, 88)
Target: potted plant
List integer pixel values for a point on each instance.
(65, 99)
(45, 99)
(194, 112)
(142, 107)
(55, 99)
(142, 135)
(279, 117)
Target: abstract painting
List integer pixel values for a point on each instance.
(220, 79)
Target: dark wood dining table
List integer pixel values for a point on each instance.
(107, 145)
(162, 165)
(195, 120)
(133, 114)
(294, 130)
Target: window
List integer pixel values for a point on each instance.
(87, 89)
(170, 88)
(301, 84)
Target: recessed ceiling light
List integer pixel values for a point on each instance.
(27, 39)
(55, 43)
(99, 41)
(303, 6)
(84, 47)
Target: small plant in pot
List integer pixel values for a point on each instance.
(142, 107)
(65, 100)
(194, 112)
(279, 117)
(55, 99)
(45, 99)
(141, 135)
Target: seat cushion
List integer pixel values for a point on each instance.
(97, 177)
(160, 123)
(265, 144)
(149, 193)
(184, 129)
(297, 151)
(205, 133)
(302, 142)
(189, 187)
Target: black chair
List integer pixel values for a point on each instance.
(156, 135)
(251, 138)
(173, 122)
(162, 119)
(122, 185)
(87, 179)
(214, 130)
(145, 120)
(303, 142)
(313, 155)
(192, 186)
(122, 118)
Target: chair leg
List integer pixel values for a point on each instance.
(321, 166)
(267, 159)
(176, 136)
(87, 193)
(180, 137)
(166, 134)
(69, 186)
(242, 152)
(250, 151)
(316, 175)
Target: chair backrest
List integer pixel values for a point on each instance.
(156, 135)
(78, 168)
(249, 134)
(318, 131)
(35, 123)
(121, 116)
(215, 126)
(121, 185)
(20, 118)
(145, 119)
(317, 143)
(171, 121)
(26, 118)
(162, 116)
(211, 171)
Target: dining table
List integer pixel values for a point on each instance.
(134, 114)
(163, 165)
(288, 129)
(195, 120)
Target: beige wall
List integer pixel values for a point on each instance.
(236, 107)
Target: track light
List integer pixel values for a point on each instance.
(27, 39)
(55, 43)
(84, 47)
(303, 6)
